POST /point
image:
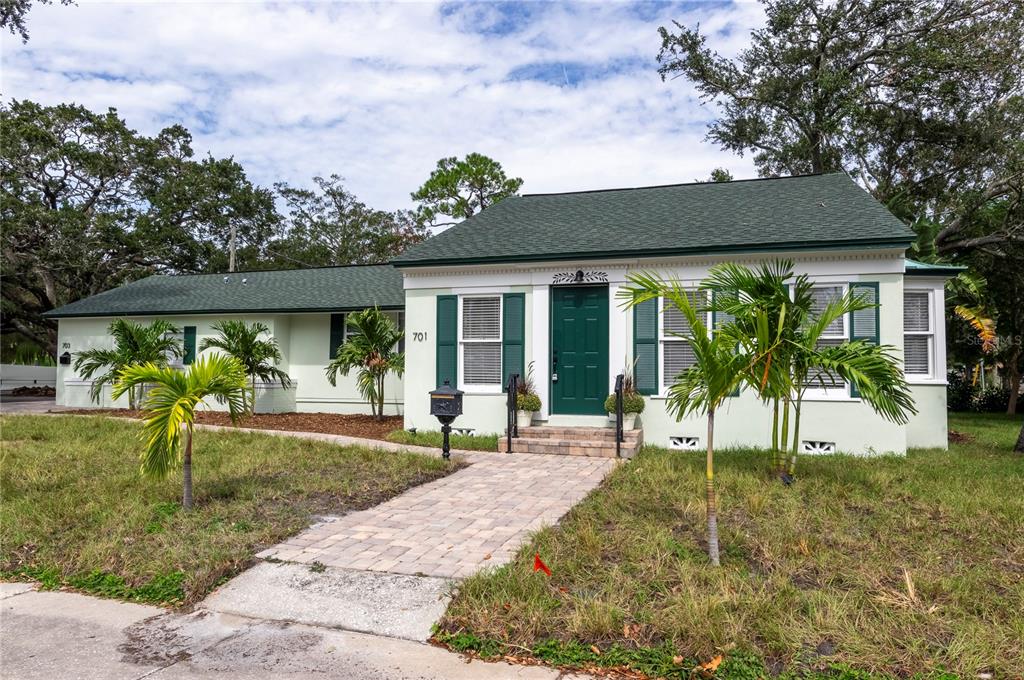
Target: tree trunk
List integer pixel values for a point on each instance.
(775, 433)
(710, 488)
(252, 408)
(380, 397)
(780, 461)
(796, 437)
(1011, 408)
(1019, 448)
(131, 398)
(186, 494)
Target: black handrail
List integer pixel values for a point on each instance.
(619, 436)
(512, 425)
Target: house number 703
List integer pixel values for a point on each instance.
(419, 336)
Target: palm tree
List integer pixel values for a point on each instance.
(762, 317)
(133, 344)
(258, 355)
(372, 348)
(718, 368)
(172, 402)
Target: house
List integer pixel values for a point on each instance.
(531, 284)
(303, 308)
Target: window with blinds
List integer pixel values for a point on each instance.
(173, 360)
(836, 333)
(677, 354)
(918, 333)
(480, 340)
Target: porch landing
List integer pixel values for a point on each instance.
(573, 441)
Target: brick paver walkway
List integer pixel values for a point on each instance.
(476, 517)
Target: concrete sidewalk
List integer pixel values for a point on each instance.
(58, 636)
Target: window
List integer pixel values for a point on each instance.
(836, 334)
(174, 360)
(480, 341)
(677, 355)
(917, 333)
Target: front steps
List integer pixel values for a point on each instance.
(573, 441)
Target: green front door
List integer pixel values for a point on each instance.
(579, 349)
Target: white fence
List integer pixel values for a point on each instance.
(13, 375)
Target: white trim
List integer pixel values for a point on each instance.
(936, 350)
(489, 388)
(539, 352)
(831, 393)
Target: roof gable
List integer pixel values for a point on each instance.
(811, 211)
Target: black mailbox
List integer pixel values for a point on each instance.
(65, 358)
(446, 402)
(446, 406)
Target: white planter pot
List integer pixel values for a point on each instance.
(628, 420)
(524, 418)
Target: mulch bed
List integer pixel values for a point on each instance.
(324, 423)
(34, 391)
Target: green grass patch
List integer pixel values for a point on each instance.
(866, 567)
(76, 513)
(469, 442)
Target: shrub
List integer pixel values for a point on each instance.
(527, 402)
(631, 403)
(960, 393)
(992, 399)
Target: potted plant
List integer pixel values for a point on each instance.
(632, 402)
(527, 400)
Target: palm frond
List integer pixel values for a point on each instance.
(172, 400)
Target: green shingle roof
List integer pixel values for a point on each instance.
(915, 268)
(294, 290)
(811, 211)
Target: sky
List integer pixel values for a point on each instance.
(566, 96)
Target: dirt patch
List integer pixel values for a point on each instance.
(323, 423)
(959, 437)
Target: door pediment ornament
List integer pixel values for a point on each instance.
(579, 276)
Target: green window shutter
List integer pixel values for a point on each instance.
(645, 346)
(337, 334)
(864, 322)
(190, 345)
(513, 336)
(448, 339)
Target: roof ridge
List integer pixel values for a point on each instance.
(281, 269)
(683, 184)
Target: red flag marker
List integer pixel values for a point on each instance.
(538, 564)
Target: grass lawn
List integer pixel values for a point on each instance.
(469, 442)
(893, 566)
(76, 512)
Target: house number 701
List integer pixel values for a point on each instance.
(419, 336)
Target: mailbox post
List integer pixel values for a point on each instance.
(446, 406)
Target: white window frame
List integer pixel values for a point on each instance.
(664, 337)
(930, 334)
(816, 392)
(178, 362)
(477, 388)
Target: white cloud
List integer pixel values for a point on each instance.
(377, 93)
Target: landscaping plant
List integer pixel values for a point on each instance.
(172, 401)
(258, 355)
(372, 350)
(134, 344)
(717, 370)
(772, 303)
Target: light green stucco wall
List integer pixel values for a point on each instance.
(851, 424)
(304, 340)
(928, 429)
